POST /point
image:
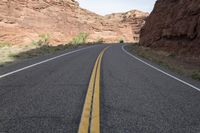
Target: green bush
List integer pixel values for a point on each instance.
(36, 43)
(80, 38)
(43, 40)
(196, 75)
(121, 41)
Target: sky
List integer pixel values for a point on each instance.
(104, 7)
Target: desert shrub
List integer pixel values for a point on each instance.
(196, 75)
(43, 40)
(100, 40)
(121, 41)
(80, 39)
(36, 43)
(4, 44)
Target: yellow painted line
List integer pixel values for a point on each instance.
(90, 119)
(95, 122)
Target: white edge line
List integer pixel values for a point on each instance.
(44, 61)
(188, 84)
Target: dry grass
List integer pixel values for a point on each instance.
(7, 53)
(170, 61)
(4, 44)
(10, 54)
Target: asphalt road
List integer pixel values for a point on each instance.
(134, 98)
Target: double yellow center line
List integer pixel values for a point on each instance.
(90, 119)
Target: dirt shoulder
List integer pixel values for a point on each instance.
(189, 67)
(13, 54)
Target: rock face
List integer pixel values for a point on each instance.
(174, 26)
(134, 20)
(22, 21)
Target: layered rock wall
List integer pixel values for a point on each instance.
(174, 26)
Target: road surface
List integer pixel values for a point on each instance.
(120, 94)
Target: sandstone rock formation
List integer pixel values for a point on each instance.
(174, 26)
(22, 21)
(134, 20)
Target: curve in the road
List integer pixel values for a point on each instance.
(184, 82)
(44, 61)
(90, 120)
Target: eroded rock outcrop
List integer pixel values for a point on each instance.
(134, 20)
(174, 26)
(22, 21)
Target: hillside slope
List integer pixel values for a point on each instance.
(22, 21)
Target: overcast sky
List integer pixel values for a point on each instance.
(111, 6)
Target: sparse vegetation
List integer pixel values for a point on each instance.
(9, 54)
(5, 44)
(168, 60)
(196, 75)
(45, 49)
(17, 53)
(37, 47)
(80, 38)
(121, 41)
(44, 40)
(100, 40)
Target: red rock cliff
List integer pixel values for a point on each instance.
(22, 21)
(174, 26)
